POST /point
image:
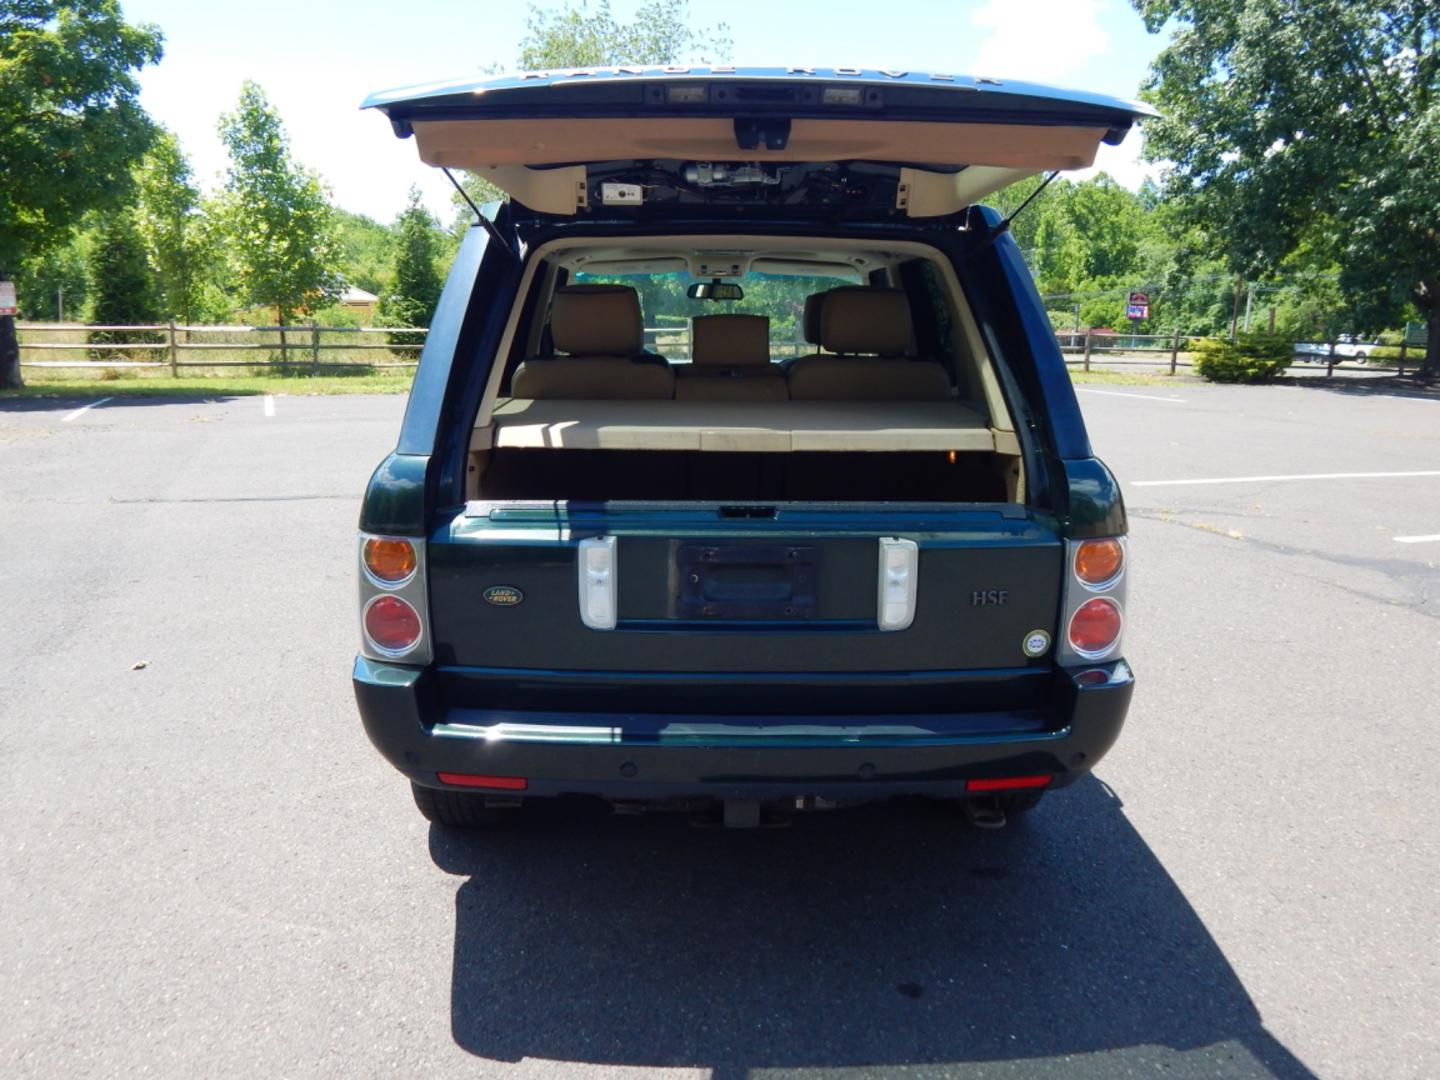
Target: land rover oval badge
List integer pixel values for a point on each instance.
(1037, 643)
(503, 595)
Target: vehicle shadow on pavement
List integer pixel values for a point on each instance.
(884, 936)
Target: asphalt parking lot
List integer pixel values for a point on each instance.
(206, 870)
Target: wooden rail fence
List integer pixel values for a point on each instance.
(178, 346)
(1084, 347)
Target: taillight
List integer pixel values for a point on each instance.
(1092, 620)
(1008, 783)
(389, 559)
(391, 624)
(1098, 563)
(1095, 627)
(393, 599)
(500, 783)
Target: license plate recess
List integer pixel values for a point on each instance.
(752, 583)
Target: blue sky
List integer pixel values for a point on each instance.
(317, 60)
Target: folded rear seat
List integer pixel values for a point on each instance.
(868, 329)
(599, 328)
(730, 361)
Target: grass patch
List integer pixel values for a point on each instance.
(87, 385)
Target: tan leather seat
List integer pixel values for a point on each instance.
(730, 361)
(869, 330)
(599, 328)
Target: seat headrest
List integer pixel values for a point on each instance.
(729, 340)
(865, 319)
(597, 320)
(810, 321)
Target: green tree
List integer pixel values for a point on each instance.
(577, 35)
(276, 220)
(54, 285)
(71, 126)
(416, 287)
(176, 234)
(367, 251)
(1294, 122)
(122, 283)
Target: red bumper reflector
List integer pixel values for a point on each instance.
(503, 783)
(1007, 783)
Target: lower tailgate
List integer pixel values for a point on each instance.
(504, 598)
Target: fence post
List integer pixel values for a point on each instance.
(1089, 336)
(314, 346)
(1330, 363)
(174, 353)
(284, 356)
(1403, 346)
(1175, 352)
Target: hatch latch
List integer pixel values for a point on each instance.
(753, 132)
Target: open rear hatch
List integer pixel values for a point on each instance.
(891, 143)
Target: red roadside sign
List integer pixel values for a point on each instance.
(7, 298)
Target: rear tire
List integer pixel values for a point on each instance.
(457, 809)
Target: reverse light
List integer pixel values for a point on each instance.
(1095, 627)
(389, 560)
(899, 573)
(1098, 563)
(391, 624)
(597, 582)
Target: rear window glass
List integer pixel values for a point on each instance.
(667, 310)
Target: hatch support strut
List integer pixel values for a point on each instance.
(480, 219)
(995, 233)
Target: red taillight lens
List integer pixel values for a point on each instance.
(392, 624)
(502, 783)
(389, 560)
(1098, 562)
(1007, 783)
(1095, 626)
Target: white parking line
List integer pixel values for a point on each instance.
(84, 409)
(1418, 539)
(1142, 397)
(269, 405)
(1297, 476)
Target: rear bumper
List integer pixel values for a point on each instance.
(649, 756)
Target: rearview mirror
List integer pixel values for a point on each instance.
(715, 290)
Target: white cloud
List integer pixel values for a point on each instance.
(1039, 40)
(1123, 163)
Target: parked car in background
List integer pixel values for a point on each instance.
(1347, 347)
(733, 581)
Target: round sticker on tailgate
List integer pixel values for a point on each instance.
(503, 595)
(1037, 643)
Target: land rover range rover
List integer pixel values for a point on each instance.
(741, 470)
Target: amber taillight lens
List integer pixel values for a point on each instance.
(1095, 627)
(1098, 562)
(392, 624)
(389, 560)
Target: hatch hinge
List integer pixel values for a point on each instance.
(753, 132)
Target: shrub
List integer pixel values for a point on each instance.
(1252, 358)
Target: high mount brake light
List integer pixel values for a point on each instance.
(1099, 562)
(389, 560)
